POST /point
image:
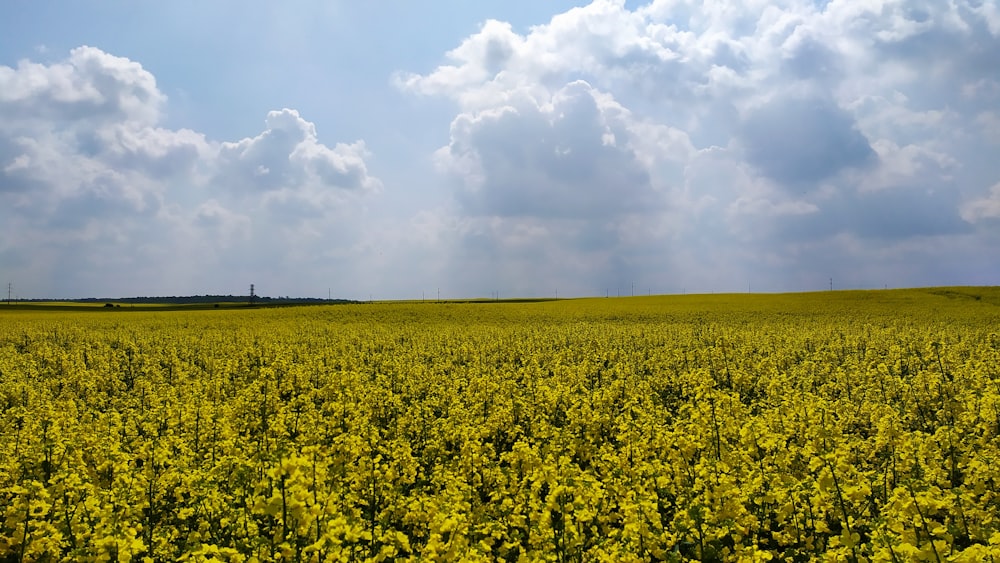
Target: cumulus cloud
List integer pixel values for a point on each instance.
(571, 157)
(88, 172)
(89, 87)
(288, 155)
(83, 130)
(557, 185)
(791, 125)
(802, 142)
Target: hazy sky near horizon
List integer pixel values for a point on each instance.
(393, 149)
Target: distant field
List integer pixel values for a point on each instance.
(812, 299)
(846, 425)
(64, 306)
(69, 305)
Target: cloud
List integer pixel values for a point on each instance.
(288, 173)
(985, 208)
(791, 125)
(571, 157)
(799, 142)
(84, 130)
(477, 60)
(89, 172)
(288, 155)
(220, 223)
(89, 87)
(558, 189)
(989, 122)
(158, 152)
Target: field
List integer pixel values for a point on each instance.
(855, 426)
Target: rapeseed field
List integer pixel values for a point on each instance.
(836, 426)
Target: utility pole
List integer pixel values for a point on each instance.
(252, 296)
(831, 284)
(8, 292)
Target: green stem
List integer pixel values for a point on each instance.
(843, 508)
(923, 521)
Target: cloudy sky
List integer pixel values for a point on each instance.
(393, 149)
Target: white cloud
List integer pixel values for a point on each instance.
(476, 61)
(907, 165)
(90, 86)
(570, 157)
(553, 190)
(155, 151)
(828, 122)
(985, 208)
(289, 156)
(220, 223)
(88, 172)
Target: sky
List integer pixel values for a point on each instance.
(405, 150)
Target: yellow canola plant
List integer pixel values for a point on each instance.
(855, 426)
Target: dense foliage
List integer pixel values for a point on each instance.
(841, 426)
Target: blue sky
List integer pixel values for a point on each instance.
(391, 149)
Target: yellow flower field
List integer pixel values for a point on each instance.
(855, 426)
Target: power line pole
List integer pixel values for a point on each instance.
(8, 292)
(251, 294)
